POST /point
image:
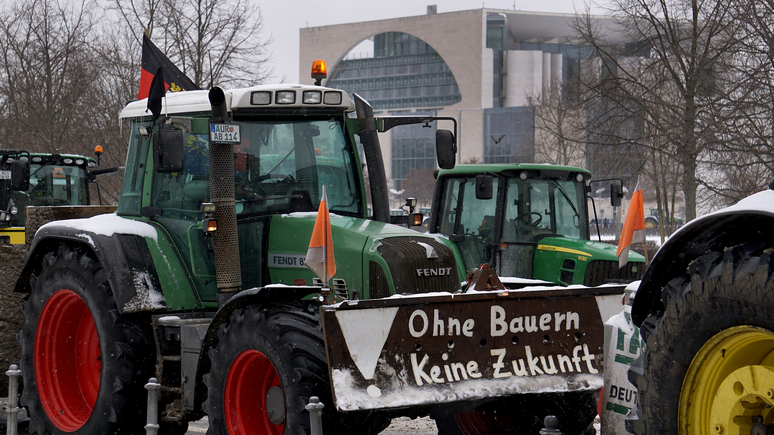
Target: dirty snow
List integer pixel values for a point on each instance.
(343, 380)
(146, 297)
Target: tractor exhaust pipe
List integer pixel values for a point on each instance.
(228, 273)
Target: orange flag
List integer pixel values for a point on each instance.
(633, 229)
(319, 257)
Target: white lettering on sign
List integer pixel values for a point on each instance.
(499, 324)
(419, 324)
(579, 360)
(286, 260)
(452, 371)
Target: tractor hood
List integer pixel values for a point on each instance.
(373, 259)
(573, 261)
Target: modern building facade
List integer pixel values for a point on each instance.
(489, 69)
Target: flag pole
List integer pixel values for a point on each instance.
(320, 256)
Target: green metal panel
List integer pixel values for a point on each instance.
(289, 237)
(552, 253)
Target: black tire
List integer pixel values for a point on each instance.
(282, 345)
(90, 385)
(525, 414)
(723, 296)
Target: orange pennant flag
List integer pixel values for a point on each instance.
(319, 257)
(633, 229)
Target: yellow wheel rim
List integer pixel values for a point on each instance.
(729, 386)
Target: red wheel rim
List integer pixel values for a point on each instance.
(67, 360)
(483, 423)
(249, 382)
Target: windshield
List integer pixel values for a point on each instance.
(536, 208)
(57, 185)
(529, 210)
(279, 167)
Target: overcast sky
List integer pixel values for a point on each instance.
(283, 19)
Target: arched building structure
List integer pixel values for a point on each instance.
(501, 62)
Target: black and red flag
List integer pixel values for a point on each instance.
(153, 60)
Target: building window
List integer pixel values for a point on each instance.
(509, 135)
(404, 68)
(413, 147)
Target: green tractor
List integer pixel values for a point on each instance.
(218, 203)
(43, 179)
(528, 222)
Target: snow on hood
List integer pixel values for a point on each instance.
(755, 203)
(761, 201)
(106, 225)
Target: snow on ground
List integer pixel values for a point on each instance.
(399, 426)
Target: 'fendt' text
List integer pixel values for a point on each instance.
(436, 271)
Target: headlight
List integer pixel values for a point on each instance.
(286, 97)
(332, 98)
(312, 97)
(261, 98)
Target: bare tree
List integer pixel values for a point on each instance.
(559, 127)
(420, 184)
(661, 84)
(48, 74)
(212, 41)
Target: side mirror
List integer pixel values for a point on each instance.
(615, 195)
(168, 150)
(445, 148)
(484, 186)
(20, 175)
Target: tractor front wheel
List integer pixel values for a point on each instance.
(268, 362)
(708, 367)
(80, 358)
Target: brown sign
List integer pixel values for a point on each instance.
(406, 351)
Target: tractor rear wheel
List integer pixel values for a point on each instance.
(81, 360)
(268, 362)
(575, 411)
(708, 366)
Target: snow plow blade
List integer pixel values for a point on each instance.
(441, 348)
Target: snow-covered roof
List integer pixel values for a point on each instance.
(255, 97)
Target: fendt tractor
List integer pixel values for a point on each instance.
(526, 221)
(705, 309)
(199, 280)
(44, 180)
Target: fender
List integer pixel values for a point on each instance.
(255, 296)
(125, 258)
(750, 220)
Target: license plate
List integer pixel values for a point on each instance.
(5, 175)
(228, 133)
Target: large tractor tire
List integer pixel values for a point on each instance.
(81, 360)
(708, 366)
(525, 414)
(268, 362)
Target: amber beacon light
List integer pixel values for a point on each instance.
(319, 71)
